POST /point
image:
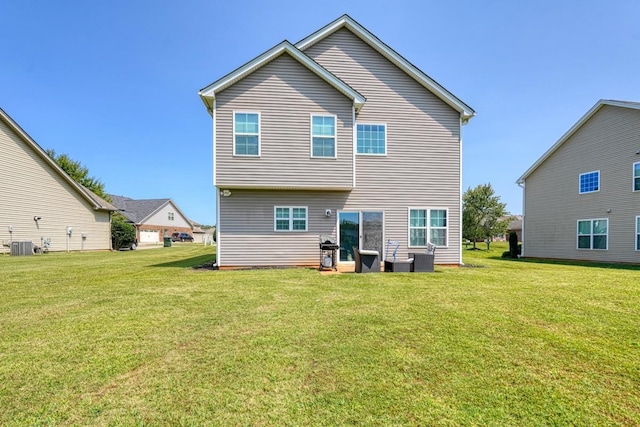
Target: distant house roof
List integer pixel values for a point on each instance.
(515, 223)
(601, 103)
(138, 211)
(97, 202)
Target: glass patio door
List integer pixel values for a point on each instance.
(362, 229)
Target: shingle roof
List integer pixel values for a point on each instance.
(137, 210)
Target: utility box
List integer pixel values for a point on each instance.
(21, 248)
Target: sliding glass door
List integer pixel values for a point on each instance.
(360, 229)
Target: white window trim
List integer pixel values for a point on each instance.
(633, 177)
(428, 226)
(385, 139)
(588, 192)
(635, 243)
(335, 136)
(591, 234)
(259, 133)
(291, 208)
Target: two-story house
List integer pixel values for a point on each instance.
(582, 197)
(340, 135)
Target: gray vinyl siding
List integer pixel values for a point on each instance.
(422, 165)
(421, 168)
(286, 94)
(607, 142)
(30, 187)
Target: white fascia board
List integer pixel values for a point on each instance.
(466, 112)
(208, 93)
(601, 103)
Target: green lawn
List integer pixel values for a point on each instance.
(141, 338)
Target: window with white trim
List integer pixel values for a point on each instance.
(427, 226)
(246, 134)
(638, 233)
(371, 139)
(589, 182)
(323, 136)
(290, 218)
(593, 233)
(636, 176)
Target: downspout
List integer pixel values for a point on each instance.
(217, 190)
(521, 184)
(354, 140)
(462, 122)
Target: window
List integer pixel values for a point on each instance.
(246, 134)
(636, 176)
(427, 226)
(589, 182)
(638, 233)
(323, 136)
(290, 218)
(593, 233)
(372, 139)
(170, 216)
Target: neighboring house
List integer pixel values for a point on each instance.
(515, 225)
(337, 134)
(582, 197)
(153, 218)
(40, 202)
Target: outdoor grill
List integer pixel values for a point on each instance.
(328, 247)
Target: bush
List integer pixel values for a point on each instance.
(513, 244)
(506, 254)
(123, 234)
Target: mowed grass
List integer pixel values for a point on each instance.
(142, 338)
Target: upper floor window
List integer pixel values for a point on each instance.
(287, 218)
(170, 216)
(246, 134)
(372, 139)
(593, 233)
(323, 136)
(589, 182)
(636, 176)
(427, 226)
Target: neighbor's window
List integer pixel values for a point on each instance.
(246, 134)
(638, 233)
(170, 216)
(427, 226)
(372, 139)
(288, 218)
(593, 233)
(323, 136)
(636, 176)
(589, 182)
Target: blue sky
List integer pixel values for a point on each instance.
(115, 84)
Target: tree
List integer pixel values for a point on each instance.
(123, 234)
(483, 215)
(79, 173)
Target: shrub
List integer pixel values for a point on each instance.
(123, 234)
(513, 244)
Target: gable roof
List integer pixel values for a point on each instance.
(138, 211)
(208, 93)
(96, 202)
(601, 103)
(345, 21)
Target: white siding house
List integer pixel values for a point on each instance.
(339, 135)
(582, 197)
(39, 201)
